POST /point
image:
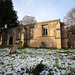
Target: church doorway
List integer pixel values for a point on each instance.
(11, 41)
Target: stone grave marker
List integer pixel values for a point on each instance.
(16, 45)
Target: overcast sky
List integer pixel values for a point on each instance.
(43, 10)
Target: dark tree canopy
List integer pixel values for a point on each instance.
(72, 29)
(69, 20)
(8, 15)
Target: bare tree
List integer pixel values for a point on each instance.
(28, 20)
(69, 19)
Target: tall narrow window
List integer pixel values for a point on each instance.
(31, 32)
(19, 34)
(45, 29)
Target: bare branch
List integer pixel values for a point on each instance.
(69, 19)
(28, 20)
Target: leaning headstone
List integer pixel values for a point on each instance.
(16, 45)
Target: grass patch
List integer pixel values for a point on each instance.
(48, 48)
(22, 48)
(73, 58)
(37, 47)
(72, 71)
(69, 64)
(22, 57)
(71, 48)
(2, 63)
(5, 46)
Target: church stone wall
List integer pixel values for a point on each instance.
(55, 38)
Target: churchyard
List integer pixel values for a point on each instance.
(37, 61)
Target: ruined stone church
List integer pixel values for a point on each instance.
(50, 34)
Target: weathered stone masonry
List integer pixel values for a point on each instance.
(43, 34)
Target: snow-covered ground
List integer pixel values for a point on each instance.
(57, 62)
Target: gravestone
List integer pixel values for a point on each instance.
(42, 44)
(16, 45)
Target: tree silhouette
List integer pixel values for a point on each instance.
(28, 20)
(8, 16)
(69, 20)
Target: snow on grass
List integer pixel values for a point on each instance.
(24, 61)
